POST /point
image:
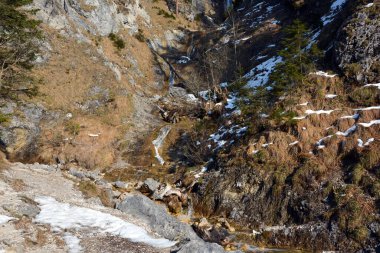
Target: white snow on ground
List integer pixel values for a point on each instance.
(360, 142)
(330, 96)
(355, 116)
(62, 216)
(334, 9)
(265, 145)
(318, 112)
(5, 219)
(319, 143)
(348, 131)
(321, 73)
(372, 122)
(369, 141)
(368, 108)
(373, 85)
(293, 143)
(157, 143)
(231, 102)
(223, 132)
(304, 104)
(259, 75)
(369, 5)
(299, 117)
(73, 243)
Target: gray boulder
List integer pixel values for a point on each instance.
(162, 223)
(149, 186)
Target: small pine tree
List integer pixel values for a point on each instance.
(298, 59)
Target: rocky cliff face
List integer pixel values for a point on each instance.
(357, 47)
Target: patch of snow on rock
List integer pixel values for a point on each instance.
(62, 216)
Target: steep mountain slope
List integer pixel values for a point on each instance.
(303, 172)
(208, 103)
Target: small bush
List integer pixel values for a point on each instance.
(3, 118)
(140, 36)
(117, 41)
(365, 96)
(73, 128)
(280, 116)
(352, 69)
(357, 174)
(88, 189)
(165, 14)
(370, 159)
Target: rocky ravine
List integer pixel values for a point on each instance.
(42, 211)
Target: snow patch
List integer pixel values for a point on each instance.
(348, 131)
(369, 124)
(334, 9)
(293, 143)
(62, 216)
(299, 117)
(265, 145)
(259, 75)
(373, 85)
(4, 219)
(330, 96)
(368, 108)
(157, 143)
(360, 142)
(309, 112)
(73, 243)
(321, 73)
(355, 116)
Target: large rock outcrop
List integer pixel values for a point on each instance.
(357, 50)
(98, 17)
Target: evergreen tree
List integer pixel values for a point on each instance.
(298, 59)
(18, 48)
